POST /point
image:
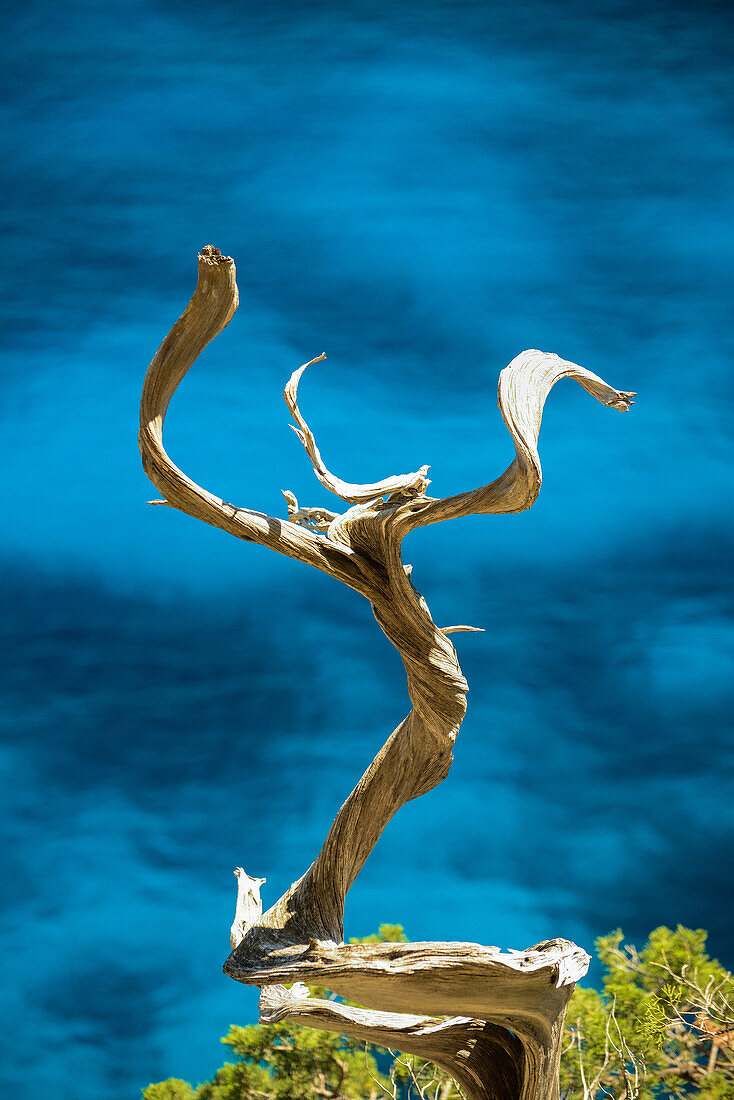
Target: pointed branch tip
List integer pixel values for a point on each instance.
(413, 484)
(624, 400)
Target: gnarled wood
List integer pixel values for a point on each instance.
(502, 1038)
(414, 483)
(484, 1059)
(210, 310)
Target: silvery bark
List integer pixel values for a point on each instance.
(492, 1019)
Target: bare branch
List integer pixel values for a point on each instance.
(410, 484)
(533, 986)
(479, 1056)
(210, 310)
(523, 388)
(249, 905)
(503, 1038)
(626, 1065)
(379, 1084)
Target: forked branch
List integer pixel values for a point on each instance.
(502, 1040)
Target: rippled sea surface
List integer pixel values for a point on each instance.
(421, 191)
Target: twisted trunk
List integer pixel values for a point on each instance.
(501, 1037)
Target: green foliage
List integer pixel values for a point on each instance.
(660, 1014)
(660, 1027)
(172, 1089)
(388, 933)
(282, 1063)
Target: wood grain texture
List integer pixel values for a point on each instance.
(492, 1019)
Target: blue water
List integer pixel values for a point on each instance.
(421, 191)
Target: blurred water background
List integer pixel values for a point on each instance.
(421, 191)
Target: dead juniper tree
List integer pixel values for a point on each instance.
(492, 1019)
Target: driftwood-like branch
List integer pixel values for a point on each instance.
(506, 1010)
(484, 1059)
(523, 388)
(207, 314)
(352, 494)
(249, 906)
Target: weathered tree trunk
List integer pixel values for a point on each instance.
(492, 1019)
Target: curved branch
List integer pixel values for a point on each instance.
(367, 558)
(524, 990)
(414, 483)
(414, 759)
(482, 1058)
(502, 999)
(508, 1050)
(523, 388)
(210, 310)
